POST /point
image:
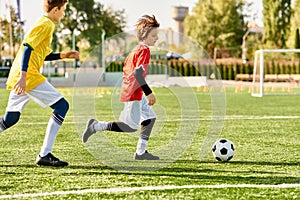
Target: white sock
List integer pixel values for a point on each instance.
(101, 126)
(141, 146)
(51, 133)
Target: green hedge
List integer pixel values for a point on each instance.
(227, 71)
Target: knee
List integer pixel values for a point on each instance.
(61, 107)
(148, 121)
(65, 105)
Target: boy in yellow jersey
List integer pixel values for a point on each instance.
(27, 83)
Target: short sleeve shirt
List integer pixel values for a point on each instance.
(131, 90)
(39, 39)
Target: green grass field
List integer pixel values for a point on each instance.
(266, 165)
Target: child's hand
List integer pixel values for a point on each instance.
(20, 85)
(151, 99)
(70, 54)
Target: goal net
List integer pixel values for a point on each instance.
(276, 72)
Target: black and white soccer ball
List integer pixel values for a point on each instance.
(223, 150)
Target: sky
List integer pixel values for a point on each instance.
(134, 9)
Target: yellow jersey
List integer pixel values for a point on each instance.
(39, 39)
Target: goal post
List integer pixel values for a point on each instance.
(259, 75)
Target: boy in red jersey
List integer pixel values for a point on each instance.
(137, 109)
(27, 83)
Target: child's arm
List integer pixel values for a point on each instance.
(138, 74)
(57, 56)
(69, 54)
(53, 56)
(20, 85)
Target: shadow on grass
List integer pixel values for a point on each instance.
(262, 163)
(31, 166)
(197, 175)
(196, 165)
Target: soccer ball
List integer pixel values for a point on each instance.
(223, 150)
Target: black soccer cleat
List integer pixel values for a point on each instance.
(50, 160)
(145, 156)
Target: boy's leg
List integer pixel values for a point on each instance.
(141, 149)
(129, 122)
(93, 126)
(148, 115)
(9, 119)
(16, 104)
(114, 126)
(2, 126)
(146, 129)
(60, 109)
(46, 95)
(45, 156)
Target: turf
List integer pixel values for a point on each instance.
(264, 130)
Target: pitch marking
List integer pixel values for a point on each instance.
(202, 119)
(147, 188)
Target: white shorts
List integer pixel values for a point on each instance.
(44, 94)
(135, 112)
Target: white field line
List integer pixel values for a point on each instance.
(148, 188)
(199, 119)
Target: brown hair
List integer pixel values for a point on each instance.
(50, 4)
(144, 25)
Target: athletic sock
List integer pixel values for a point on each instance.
(53, 127)
(146, 129)
(120, 127)
(141, 146)
(101, 126)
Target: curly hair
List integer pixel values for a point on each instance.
(50, 4)
(144, 25)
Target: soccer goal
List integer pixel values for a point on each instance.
(276, 71)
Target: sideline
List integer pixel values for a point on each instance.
(148, 188)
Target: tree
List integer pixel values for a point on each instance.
(217, 24)
(11, 33)
(297, 39)
(297, 42)
(89, 19)
(277, 14)
(295, 24)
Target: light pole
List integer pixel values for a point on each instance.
(244, 46)
(102, 49)
(74, 48)
(73, 34)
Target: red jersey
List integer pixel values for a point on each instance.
(131, 89)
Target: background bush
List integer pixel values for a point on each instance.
(227, 70)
